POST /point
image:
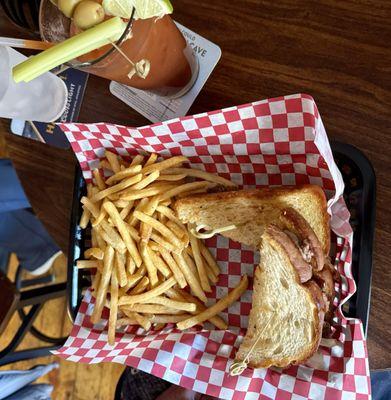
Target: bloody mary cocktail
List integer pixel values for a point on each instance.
(173, 67)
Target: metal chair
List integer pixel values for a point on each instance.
(14, 299)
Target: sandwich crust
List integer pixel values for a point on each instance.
(254, 209)
(311, 294)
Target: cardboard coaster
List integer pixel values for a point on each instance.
(160, 108)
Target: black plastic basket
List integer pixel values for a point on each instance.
(359, 194)
(360, 197)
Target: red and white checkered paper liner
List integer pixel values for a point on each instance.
(279, 141)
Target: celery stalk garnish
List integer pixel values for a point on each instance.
(100, 35)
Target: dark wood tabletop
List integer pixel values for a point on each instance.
(336, 51)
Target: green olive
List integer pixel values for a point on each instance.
(87, 14)
(67, 6)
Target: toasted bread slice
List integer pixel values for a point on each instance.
(252, 210)
(286, 315)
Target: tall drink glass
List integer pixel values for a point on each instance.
(173, 65)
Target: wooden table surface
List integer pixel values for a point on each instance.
(336, 51)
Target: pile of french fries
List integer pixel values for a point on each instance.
(150, 269)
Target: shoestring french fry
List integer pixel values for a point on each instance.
(178, 305)
(189, 251)
(219, 306)
(149, 264)
(179, 232)
(162, 186)
(81, 264)
(94, 252)
(140, 194)
(105, 165)
(166, 177)
(178, 275)
(166, 202)
(186, 187)
(124, 232)
(121, 203)
(151, 160)
(141, 320)
(209, 258)
(181, 295)
(101, 216)
(113, 197)
(137, 160)
(206, 176)
(191, 264)
(108, 262)
(167, 212)
(168, 319)
(111, 236)
(125, 321)
(125, 210)
(190, 277)
(100, 183)
(141, 286)
(161, 166)
(162, 218)
(134, 279)
(164, 243)
(156, 291)
(130, 264)
(159, 263)
(90, 189)
(149, 209)
(202, 273)
(158, 327)
(132, 220)
(91, 207)
(95, 282)
(211, 276)
(113, 307)
(85, 218)
(147, 180)
(163, 230)
(116, 188)
(177, 294)
(113, 161)
(122, 163)
(120, 268)
(133, 232)
(150, 309)
(94, 239)
(125, 173)
(97, 233)
(142, 253)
